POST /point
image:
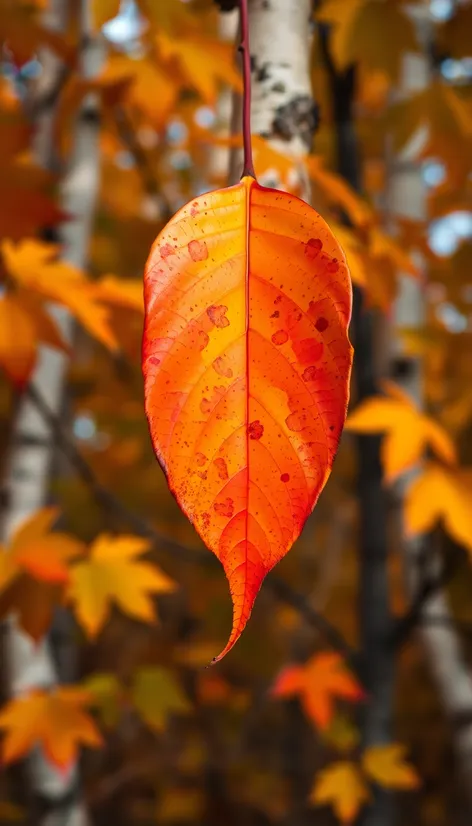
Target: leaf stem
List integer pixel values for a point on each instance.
(248, 166)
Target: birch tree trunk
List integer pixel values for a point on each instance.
(56, 794)
(422, 563)
(283, 110)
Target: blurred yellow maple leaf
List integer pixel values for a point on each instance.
(112, 573)
(338, 191)
(386, 765)
(437, 494)
(120, 292)
(372, 33)
(151, 88)
(448, 119)
(408, 432)
(35, 266)
(156, 694)
(318, 682)
(54, 720)
(342, 786)
(215, 61)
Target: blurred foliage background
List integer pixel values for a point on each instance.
(349, 696)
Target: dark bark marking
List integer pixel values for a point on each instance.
(298, 117)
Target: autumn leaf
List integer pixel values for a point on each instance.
(370, 33)
(445, 114)
(44, 555)
(37, 551)
(318, 683)
(246, 372)
(156, 695)
(339, 192)
(386, 765)
(436, 494)
(24, 324)
(408, 432)
(57, 721)
(144, 80)
(113, 574)
(34, 569)
(342, 786)
(120, 292)
(35, 266)
(215, 62)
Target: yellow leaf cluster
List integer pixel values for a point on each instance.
(345, 785)
(408, 432)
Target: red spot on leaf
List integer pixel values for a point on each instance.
(313, 247)
(217, 315)
(308, 350)
(154, 360)
(221, 366)
(285, 477)
(222, 469)
(280, 337)
(275, 314)
(255, 430)
(166, 250)
(296, 422)
(224, 508)
(198, 250)
(321, 325)
(309, 374)
(333, 265)
(207, 405)
(200, 459)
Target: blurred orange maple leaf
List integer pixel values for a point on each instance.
(318, 682)
(54, 720)
(35, 266)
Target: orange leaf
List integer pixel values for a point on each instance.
(35, 266)
(17, 341)
(317, 683)
(247, 362)
(42, 554)
(56, 721)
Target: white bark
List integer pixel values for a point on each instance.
(440, 641)
(283, 110)
(27, 480)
